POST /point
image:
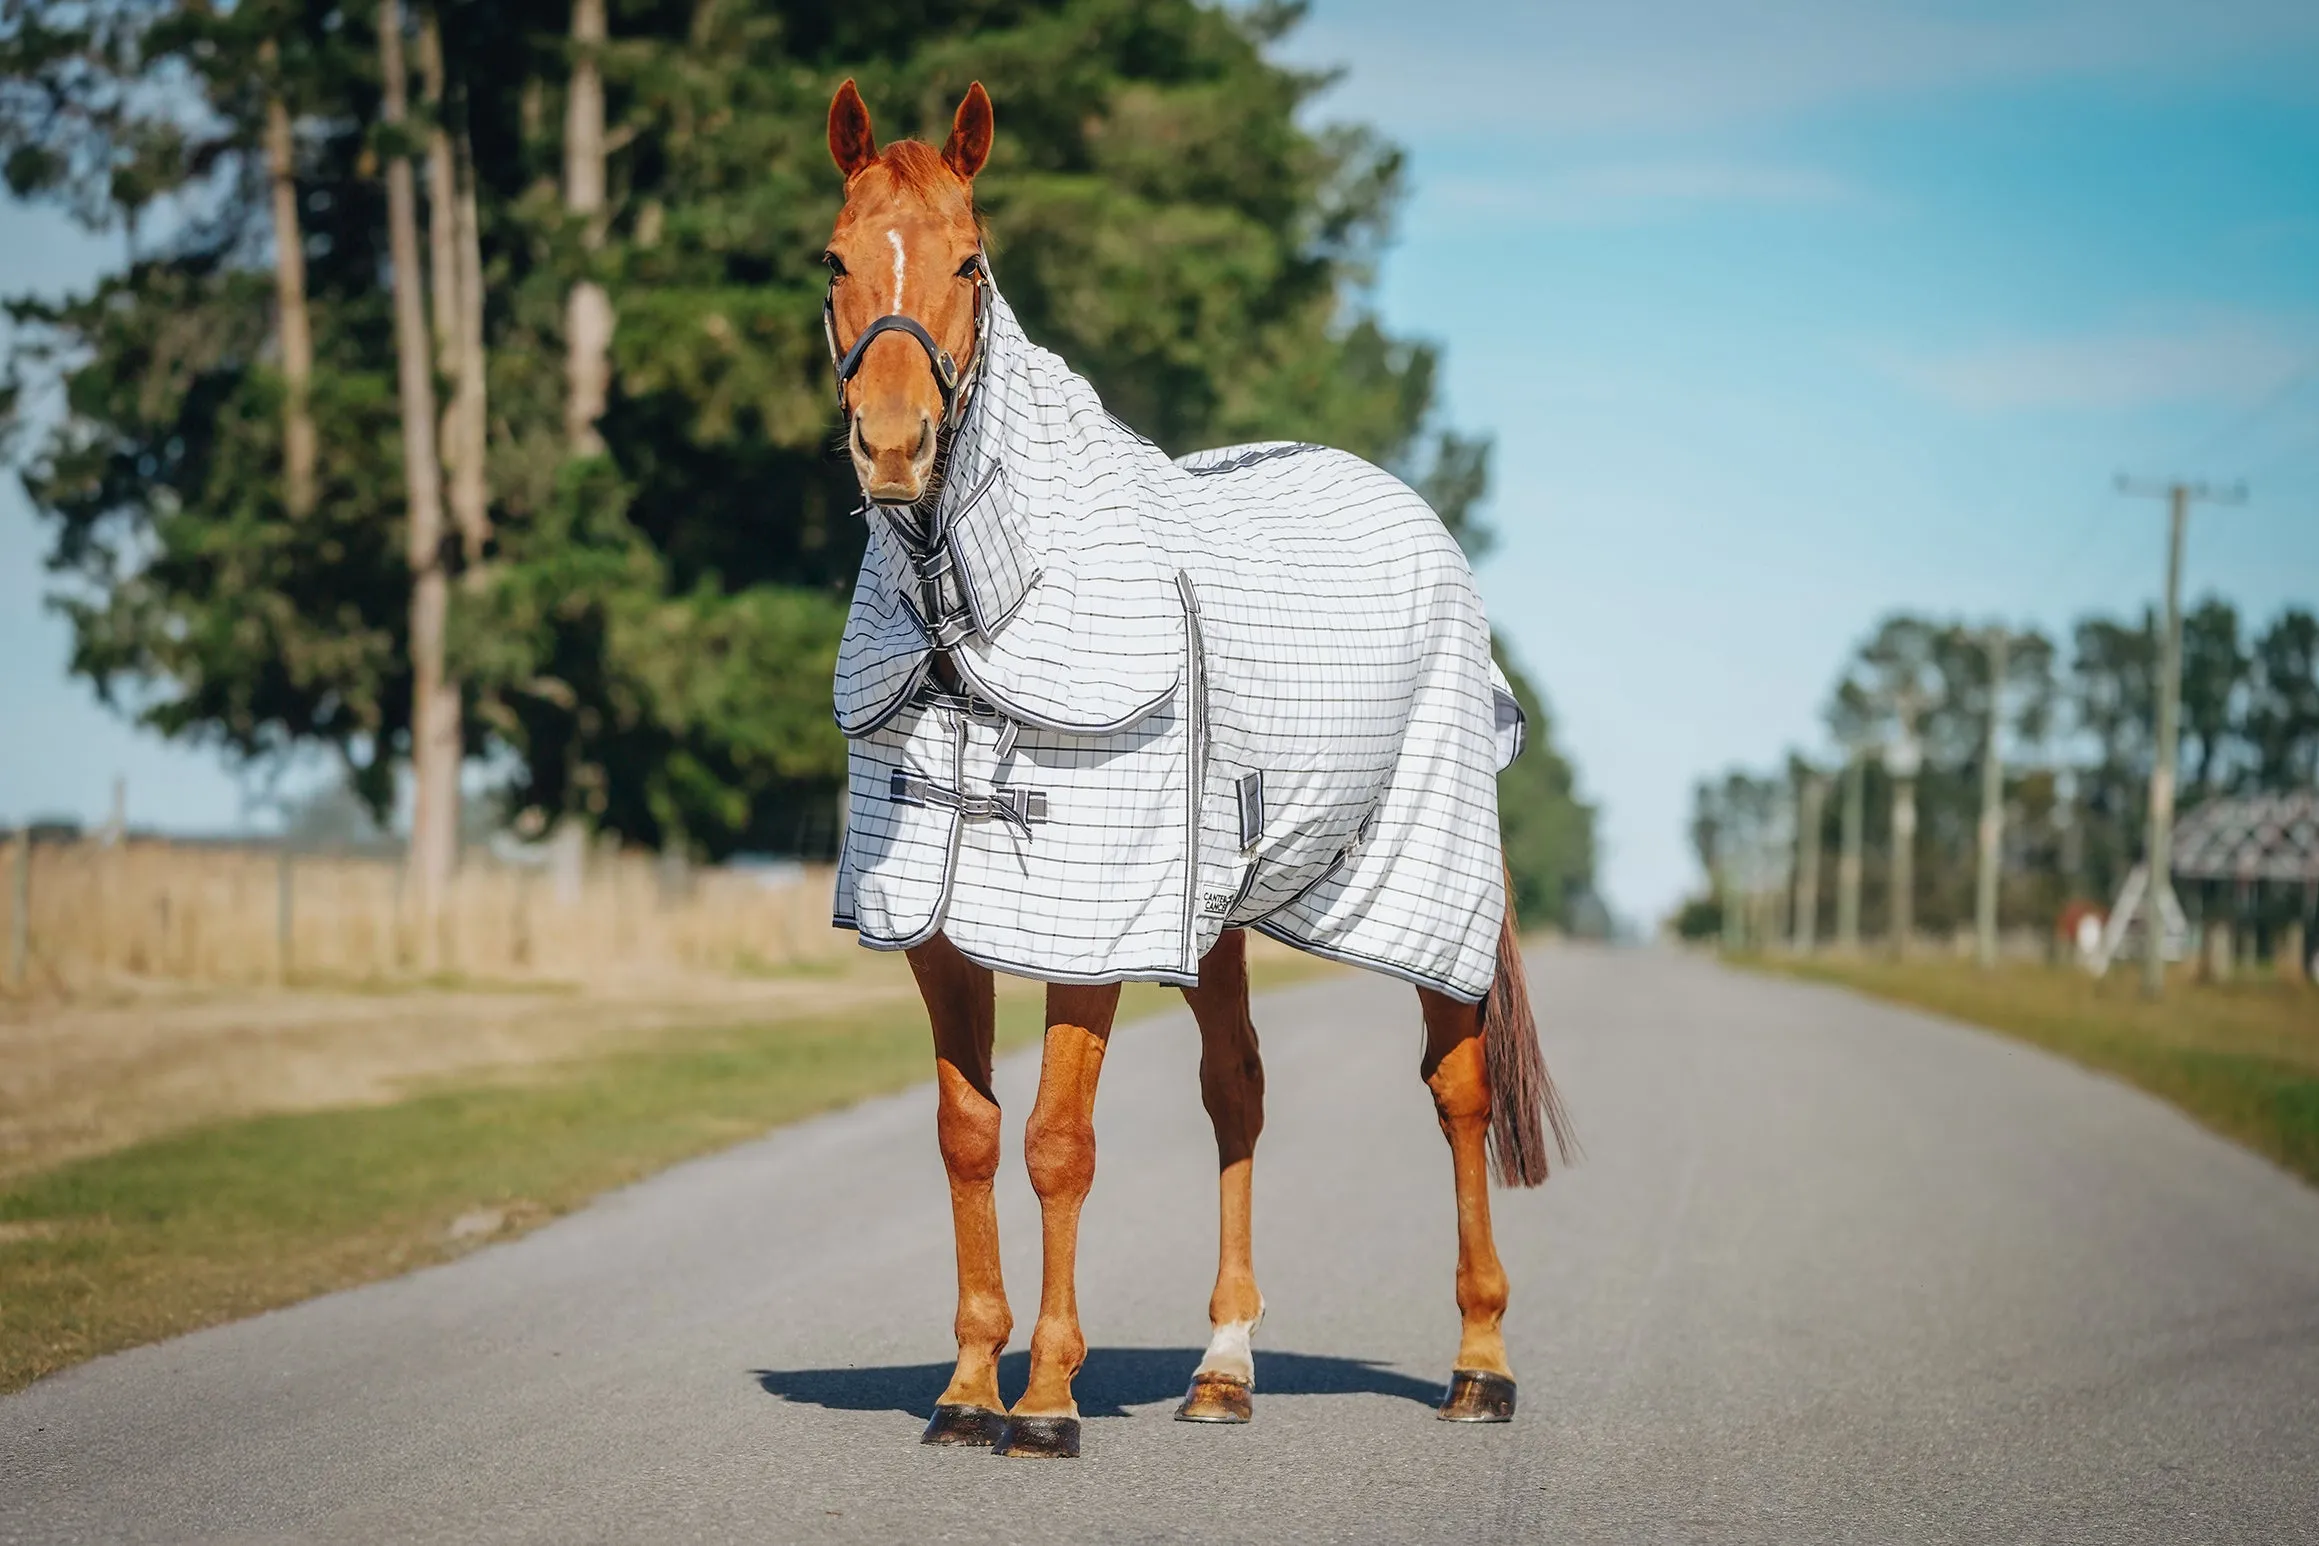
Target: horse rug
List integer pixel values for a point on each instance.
(1250, 688)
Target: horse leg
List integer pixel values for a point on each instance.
(959, 1003)
(1481, 1387)
(1059, 1147)
(1232, 1088)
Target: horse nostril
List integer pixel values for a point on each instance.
(925, 433)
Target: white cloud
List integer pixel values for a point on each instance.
(2227, 359)
(1580, 67)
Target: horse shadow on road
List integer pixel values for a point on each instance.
(1114, 1379)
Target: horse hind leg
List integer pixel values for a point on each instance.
(1456, 1069)
(1059, 1149)
(1232, 1088)
(960, 1005)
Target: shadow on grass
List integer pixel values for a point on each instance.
(1115, 1379)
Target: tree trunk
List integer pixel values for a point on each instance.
(435, 730)
(291, 324)
(456, 265)
(470, 483)
(587, 310)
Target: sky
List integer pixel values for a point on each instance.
(1783, 316)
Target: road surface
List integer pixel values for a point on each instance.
(1831, 1272)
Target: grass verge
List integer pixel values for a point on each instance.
(2241, 1058)
(218, 1222)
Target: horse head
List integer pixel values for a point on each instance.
(906, 275)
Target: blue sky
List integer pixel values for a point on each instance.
(1782, 315)
(1785, 316)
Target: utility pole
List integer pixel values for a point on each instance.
(2160, 841)
(1992, 804)
(1811, 793)
(1727, 892)
(1848, 865)
(1902, 759)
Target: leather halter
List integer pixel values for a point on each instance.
(955, 391)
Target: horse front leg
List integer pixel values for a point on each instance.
(960, 1005)
(1232, 1088)
(1456, 1069)
(1059, 1148)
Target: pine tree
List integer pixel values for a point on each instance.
(657, 545)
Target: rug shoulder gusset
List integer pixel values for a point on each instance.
(1096, 644)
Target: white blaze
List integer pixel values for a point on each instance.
(896, 238)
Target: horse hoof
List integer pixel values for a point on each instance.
(1216, 1398)
(1476, 1396)
(1040, 1438)
(963, 1425)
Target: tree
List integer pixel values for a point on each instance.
(587, 310)
(2214, 679)
(1154, 212)
(1547, 830)
(2078, 766)
(653, 545)
(2282, 717)
(293, 330)
(435, 711)
(193, 600)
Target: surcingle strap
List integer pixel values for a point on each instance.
(1010, 803)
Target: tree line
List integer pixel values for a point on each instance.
(2077, 732)
(463, 395)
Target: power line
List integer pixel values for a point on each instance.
(2097, 514)
(2296, 379)
(2286, 458)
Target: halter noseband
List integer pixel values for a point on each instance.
(955, 391)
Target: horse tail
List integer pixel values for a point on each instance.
(1524, 1104)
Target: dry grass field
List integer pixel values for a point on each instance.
(85, 1075)
(100, 917)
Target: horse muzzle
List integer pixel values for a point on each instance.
(893, 452)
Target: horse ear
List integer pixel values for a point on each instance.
(851, 145)
(969, 144)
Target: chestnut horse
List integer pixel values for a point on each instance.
(905, 321)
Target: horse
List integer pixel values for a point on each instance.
(1107, 711)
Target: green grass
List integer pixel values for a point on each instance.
(2242, 1058)
(214, 1223)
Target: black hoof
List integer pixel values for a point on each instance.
(1040, 1438)
(963, 1425)
(1216, 1398)
(1477, 1397)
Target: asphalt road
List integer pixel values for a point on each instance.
(1831, 1272)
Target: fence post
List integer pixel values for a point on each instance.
(285, 909)
(20, 912)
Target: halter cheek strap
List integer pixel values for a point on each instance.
(955, 391)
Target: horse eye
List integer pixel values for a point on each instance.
(836, 264)
(966, 269)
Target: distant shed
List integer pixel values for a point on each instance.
(2273, 837)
